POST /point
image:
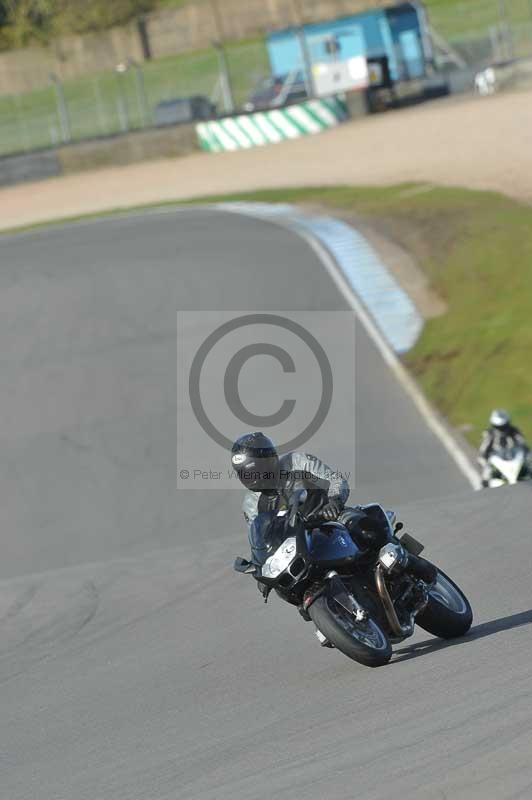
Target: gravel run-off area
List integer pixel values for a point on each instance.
(479, 143)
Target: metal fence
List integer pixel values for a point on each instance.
(128, 98)
(481, 31)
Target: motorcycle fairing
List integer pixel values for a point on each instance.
(509, 464)
(330, 545)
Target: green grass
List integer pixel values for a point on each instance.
(104, 104)
(476, 248)
(463, 19)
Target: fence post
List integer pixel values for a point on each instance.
(54, 137)
(104, 126)
(62, 109)
(218, 22)
(307, 62)
(225, 79)
(506, 28)
(140, 87)
(495, 39)
(144, 37)
(121, 101)
(21, 125)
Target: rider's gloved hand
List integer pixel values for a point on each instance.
(332, 509)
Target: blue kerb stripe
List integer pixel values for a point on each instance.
(390, 306)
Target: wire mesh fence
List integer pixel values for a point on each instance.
(482, 31)
(136, 94)
(129, 98)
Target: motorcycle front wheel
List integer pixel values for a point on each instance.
(364, 642)
(448, 613)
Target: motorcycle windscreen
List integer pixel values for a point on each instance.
(333, 547)
(266, 533)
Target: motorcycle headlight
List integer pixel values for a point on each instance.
(281, 559)
(392, 556)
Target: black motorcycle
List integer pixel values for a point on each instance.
(360, 601)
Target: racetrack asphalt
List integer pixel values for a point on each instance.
(134, 663)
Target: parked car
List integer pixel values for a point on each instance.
(277, 91)
(182, 110)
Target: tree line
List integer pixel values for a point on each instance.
(26, 22)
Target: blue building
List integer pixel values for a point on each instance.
(398, 32)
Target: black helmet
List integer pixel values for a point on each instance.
(256, 462)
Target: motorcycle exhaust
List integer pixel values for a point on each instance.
(399, 630)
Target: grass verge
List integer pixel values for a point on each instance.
(476, 249)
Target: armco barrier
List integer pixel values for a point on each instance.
(270, 127)
(113, 151)
(29, 167)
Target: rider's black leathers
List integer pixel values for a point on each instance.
(367, 525)
(496, 440)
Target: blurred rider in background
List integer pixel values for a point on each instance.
(500, 436)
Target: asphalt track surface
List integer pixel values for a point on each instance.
(134, 663)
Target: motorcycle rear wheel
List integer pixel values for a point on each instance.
(448, 614)
(364, 642)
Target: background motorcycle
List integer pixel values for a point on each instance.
(360, 602)
(510, 467)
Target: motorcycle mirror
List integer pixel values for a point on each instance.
(242, 565)
(297, 499)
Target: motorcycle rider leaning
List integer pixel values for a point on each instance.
(499, 436)
(271, 479)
